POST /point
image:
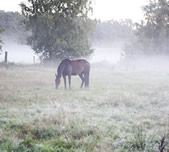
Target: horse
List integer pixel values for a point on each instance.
(69, 67)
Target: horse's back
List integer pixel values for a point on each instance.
(75, 67)
(81, 64)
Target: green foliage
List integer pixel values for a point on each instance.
(52, 139)
(29, 145)
(73, 138)
(152, 36)
(60, 28)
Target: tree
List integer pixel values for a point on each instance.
(60, 28)
(152, 36)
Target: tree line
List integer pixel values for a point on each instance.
(56, 29)
(12, 27)
(108, 33)
(151, 36)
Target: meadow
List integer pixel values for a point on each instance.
(122, 111)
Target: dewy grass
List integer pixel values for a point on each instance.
(49, 135)
(120, 112)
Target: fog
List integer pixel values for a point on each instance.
(102, 57)
(23, 54)
(108, 55)
(18, 53)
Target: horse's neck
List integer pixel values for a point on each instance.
(60, 70)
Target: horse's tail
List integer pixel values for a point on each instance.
(87, 76)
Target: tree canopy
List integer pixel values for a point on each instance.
(152, 35)
(60, 28)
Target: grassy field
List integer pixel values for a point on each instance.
(122, 111)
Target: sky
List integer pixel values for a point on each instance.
(119, 9)
(102, 9)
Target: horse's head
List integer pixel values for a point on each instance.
(57, 81)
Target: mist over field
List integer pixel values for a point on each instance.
(23, 54)
(107, 57)
(18, 53)
(111, 57)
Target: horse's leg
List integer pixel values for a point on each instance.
(82, 78)
(69, 78)
(64, 77)
(86, 77)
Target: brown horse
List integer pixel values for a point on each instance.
(73, 67)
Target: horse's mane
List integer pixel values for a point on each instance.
(62, 66)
